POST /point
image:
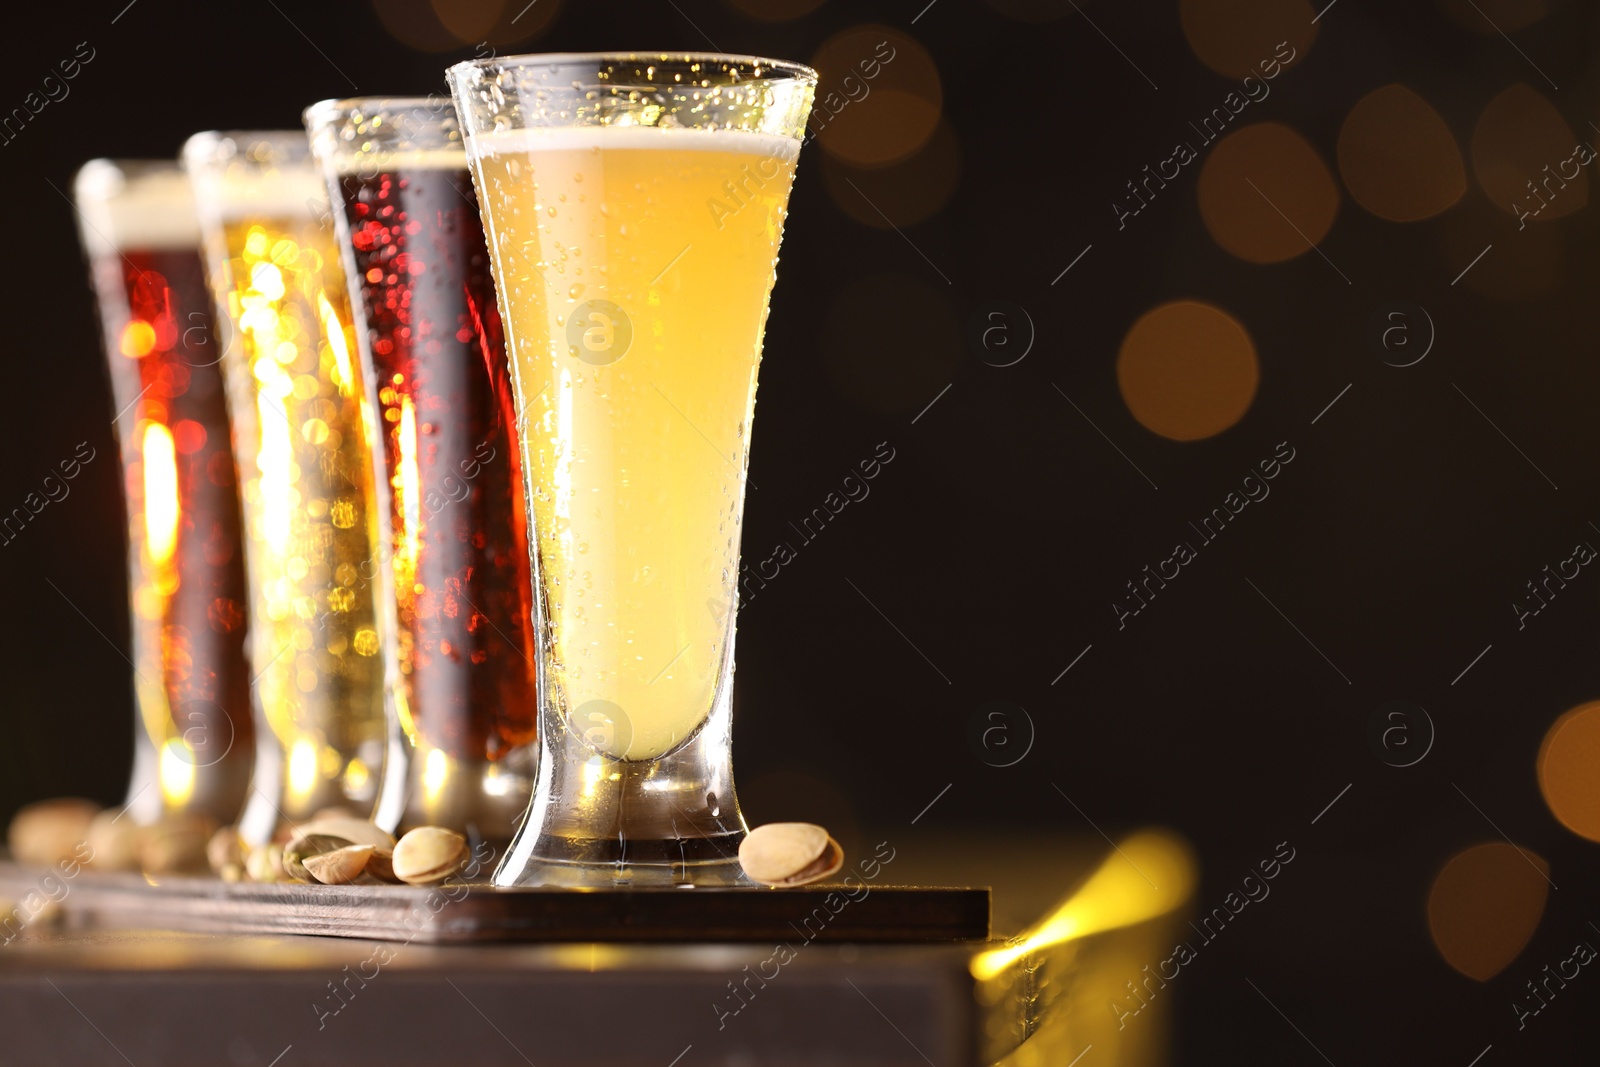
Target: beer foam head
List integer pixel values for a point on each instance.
(135, 205)
(247, 175)
(382, 161)
(627, 138)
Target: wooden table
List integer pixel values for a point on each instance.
(155, 998)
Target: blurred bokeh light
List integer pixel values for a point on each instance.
(1187, 370)
(1398, 158)
(1233, 37)
(1569, 770)
(879, 96)
(1519, 135)
(1266, 195)
(446, 25)
(1485, 904)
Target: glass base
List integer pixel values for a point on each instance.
(484, 801)
(673, 866)
(596, 821)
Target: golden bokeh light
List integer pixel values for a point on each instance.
(1266, 195)
(1187, 370)
(1233, 37)
(1569, 770)
(1398, 158)
(890, 343)
(775, 10)
(1484, 906)
(176, 771)
(879, 96)
(469, 20)
(901, 194)
(1491, 17)
(1527, 159)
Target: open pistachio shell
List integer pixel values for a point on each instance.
(429, 854)
(789, 854)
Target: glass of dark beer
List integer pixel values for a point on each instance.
(454, 534)
(194, 742)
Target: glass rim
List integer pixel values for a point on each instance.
(788, 68)
(289, 148)
(105, 177)
(338, 105)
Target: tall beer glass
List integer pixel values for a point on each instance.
(193, 748)
(454, 531)
(634, 206)
(297, 401)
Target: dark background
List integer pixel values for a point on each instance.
(998, 537)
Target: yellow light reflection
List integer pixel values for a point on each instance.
(408, 491)
(275, 461)
(161, 508)
(176, 773)
(1148, 875)
(138, 339)
(356, 777)
(344, 371)
(302, 768)
(435, 774)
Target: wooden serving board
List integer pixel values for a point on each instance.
(465, 914)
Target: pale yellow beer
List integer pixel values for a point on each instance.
(634, 265)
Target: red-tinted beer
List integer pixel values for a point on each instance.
(444, 404)
(186, 565)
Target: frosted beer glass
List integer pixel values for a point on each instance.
(193, 750)
(634, 206)
(454, 531)
(297, 403)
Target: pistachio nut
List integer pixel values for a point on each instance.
(225, 854)
(50, 831)
(265, 864)
(115, 840)
(429, 854)
(380, 866)
(326, 835)
(175, 844)
(341, 866)
(47, 915)
(789, 854)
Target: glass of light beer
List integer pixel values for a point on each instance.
(298, 406)
(194, 746)
(453, 525)
(634, 205)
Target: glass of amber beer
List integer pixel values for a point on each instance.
(297, 402)
(452, 521)
(193, 750)
(634, 205)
